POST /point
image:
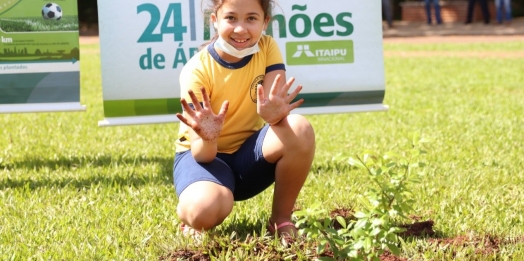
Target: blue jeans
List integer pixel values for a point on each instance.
(499, 4)
(436, 4)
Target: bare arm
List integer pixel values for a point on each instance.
(202, 151)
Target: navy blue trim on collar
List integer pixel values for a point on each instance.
(274, 67)
(216, 57)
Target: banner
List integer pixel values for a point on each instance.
(39, 56)
(333, 48)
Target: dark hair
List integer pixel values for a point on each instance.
(215, 5)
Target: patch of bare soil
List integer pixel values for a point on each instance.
(483, 245)
(89, 39)
(188, 255)
(418, 229)
(346, 213)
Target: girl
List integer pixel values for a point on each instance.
(232, 156)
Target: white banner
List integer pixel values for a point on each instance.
(333, 48)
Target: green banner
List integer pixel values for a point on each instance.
(147, 107)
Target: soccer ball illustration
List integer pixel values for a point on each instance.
(52, 11)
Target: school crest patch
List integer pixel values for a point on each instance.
(253, 90)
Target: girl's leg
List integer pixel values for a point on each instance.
(291, 144)
(204, 191)
(204, 205)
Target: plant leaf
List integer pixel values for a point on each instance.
(341, 221)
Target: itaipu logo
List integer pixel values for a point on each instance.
(324, 25)
(319, 52)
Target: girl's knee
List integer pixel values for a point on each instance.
(302, 129)
(204, 210)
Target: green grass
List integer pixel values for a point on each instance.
(67, 23)
(70, 190)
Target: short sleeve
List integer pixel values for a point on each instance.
(192, 78)
(274, 56)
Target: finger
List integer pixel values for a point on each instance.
(187, 108)
(260, 94)
(224, 109)
(205, 97)
(182, 119)
(194, 100)
(274, 87)
(296, 104)
(294, 94)
(288, 85)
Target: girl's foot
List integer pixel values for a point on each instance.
(283, 229)
(191, 232)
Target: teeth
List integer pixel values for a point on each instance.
(240, 41)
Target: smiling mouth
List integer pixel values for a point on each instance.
(240, 41)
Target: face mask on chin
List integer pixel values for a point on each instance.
(221, 44)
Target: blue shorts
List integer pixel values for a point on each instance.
(246, 173)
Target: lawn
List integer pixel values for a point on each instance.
(67, 23)
(70, 190)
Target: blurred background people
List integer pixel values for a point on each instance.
(503, 9)
(387, 8)
(436, 5)
(483, 7)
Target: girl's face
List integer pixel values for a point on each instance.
(240, 22)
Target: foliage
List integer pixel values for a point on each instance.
(70, 190)
(393, 175)
(373, 231)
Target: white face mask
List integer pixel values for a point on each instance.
(221, 44)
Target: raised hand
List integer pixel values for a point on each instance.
(202, 119)
(276, 105)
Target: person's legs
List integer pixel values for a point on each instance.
(438, 17)
(204, 211)
(388, 11)
(498, 10)
(253, 173)
(204, 191)
(485, 11)
(471, 7)
(427, 6)
(507, 10)
(291, 144)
